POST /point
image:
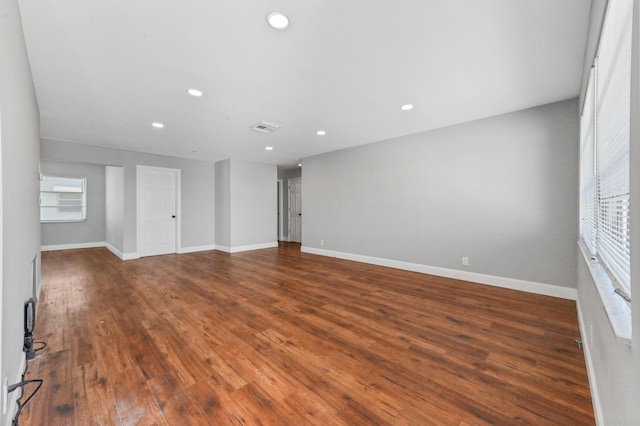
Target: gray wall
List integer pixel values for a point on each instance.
(501, 191)
(285, 175)
(197, 187)
(114, 206)
(615, 364)
(253, 203)
(246, 204)
(20, 216)
(223, 203)
(93, 229)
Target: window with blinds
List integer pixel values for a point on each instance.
(588, 195)
(63, 199)
(605, 143)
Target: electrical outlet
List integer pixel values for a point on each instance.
(465, 261)
(322, 242)
(5, 395)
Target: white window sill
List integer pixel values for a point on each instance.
(617, 309)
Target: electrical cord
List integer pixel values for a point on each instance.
(15, 420)
(21, 405)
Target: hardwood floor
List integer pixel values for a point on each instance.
(281, 337)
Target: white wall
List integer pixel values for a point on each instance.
(223, 203)
(254, 199)
(197, 188)
(246, 205)
(114, 207)
(93, 229)
(500, 191)
(20, 147)
(614, 364)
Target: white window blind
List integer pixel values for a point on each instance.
(588, 195)
(63, 199)
(605, 224)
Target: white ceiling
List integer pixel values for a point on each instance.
(105, 70)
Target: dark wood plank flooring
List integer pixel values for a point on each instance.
(281, 337)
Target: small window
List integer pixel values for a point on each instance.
(63, 199)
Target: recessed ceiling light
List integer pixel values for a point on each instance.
(195, 92)
(269, 148)
(299, 164)
(407, 107)
(321, 133)
(157, 125)
(278, 20)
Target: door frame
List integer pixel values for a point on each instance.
(280, 208)
(139, 203)
(3, 402)
(289, 209)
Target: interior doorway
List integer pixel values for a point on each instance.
(295, 210)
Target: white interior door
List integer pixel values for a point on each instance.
(157, 210)
(295, 210)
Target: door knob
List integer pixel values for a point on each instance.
(173, 216)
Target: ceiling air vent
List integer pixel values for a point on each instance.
(265, 127)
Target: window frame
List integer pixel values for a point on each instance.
(83, 205)
(611, 276)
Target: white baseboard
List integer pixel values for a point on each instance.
(225, 249)
(121, 255)
(510, 283)
(73, 246)
(13, 397)
(194, 249)
(131, 256)
(591, 373)
(114, 250)
(238, 249)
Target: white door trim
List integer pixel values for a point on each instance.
(280, 208)
(139, 209)
(288, 212)
(2, 402)
(289, 238)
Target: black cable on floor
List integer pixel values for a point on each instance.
(15, 420)
(21, 405)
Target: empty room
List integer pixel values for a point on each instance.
(321, 212)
